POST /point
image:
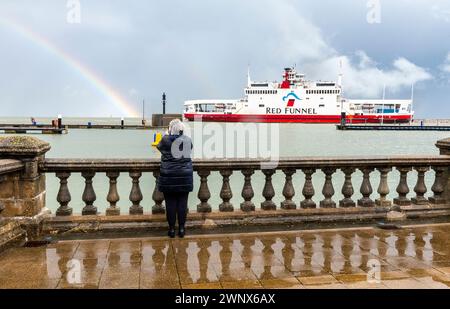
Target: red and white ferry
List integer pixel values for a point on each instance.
(296, 99)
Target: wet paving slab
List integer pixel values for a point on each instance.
(358, 258)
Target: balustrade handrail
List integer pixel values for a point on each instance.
(9, 166)
(104, 165)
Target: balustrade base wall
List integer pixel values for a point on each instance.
(11, 235)
(239, 221)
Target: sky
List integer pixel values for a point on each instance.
(104, 57)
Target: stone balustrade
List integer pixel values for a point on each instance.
(249, 169)
(23, 189)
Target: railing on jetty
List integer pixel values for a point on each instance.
(23, 168)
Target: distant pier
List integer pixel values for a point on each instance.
(384, 127)
(24, 129)
(414, 125)
(158, 121)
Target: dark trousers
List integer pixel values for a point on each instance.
(176, 205)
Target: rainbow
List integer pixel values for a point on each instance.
(87, 73)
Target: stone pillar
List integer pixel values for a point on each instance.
(10, 232)
(444, 149)
(2, 207)
(23, 193)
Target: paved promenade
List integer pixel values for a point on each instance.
(411, 257)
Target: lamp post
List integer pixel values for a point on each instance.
(164, 98)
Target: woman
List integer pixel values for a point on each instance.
(175, 179)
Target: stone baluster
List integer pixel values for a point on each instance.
(113, 196)
(225, 193)
(136, 194)
(438, 185)
(157, 197)
(383, 188)
(203, 192)
(63, 197)
(420, 187)
(328, 190)
(288, 190)
(268, 191)
(247, 191)
(366, 189)
(89, 196)
(347, 188)
(308, 189)
(402, 188)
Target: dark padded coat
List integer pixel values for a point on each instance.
(176, 165)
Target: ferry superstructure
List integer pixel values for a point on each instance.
(296, 99)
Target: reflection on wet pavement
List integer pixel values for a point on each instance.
(411, 257)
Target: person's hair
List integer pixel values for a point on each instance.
(176, 127)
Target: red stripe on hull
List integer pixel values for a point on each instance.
(298, 119)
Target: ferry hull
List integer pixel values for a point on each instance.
(298, 118)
